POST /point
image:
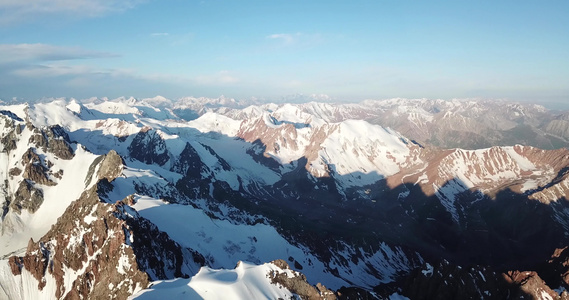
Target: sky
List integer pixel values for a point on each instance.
(348, 50)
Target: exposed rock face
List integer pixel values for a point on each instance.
(97, 249)
(156, 254)
(195, 184)
(35, 169)
(111, 166)
(299, 285)
(15, 171)
(90, 243)
(309, 141)
(27, 197)
(548, 280)
(108, 167)
(556, 270)
(447, 124)
(58, 142)
(189, 163)
(52, 139)
(465, 205)
(149, 147)
(448, 281)
(8, 141)
(258, 153)
(530, 285)
(486, 170)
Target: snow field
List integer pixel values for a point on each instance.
(246, 281)
(224, 243)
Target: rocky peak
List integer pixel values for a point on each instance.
(108, 167)
(52, 139)
(97, 249)
(58, 142)
(8, 139)
(111, 166)
(84, 255)
(35, 168)
(189, 162)
(149, 147)
(36, 171)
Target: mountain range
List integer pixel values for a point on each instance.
(153, 198)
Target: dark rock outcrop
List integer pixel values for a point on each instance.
(149, 147)
(528, 285)
(108, 166)
(448, 281)
(35, 168)
(299, 285)
(27, 197)
(15, 171)
(194, 184)
(189, 163)
(11, 122)
(111, 167)
(52, 139)
(445, 280)
(8, 141)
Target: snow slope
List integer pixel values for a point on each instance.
(246, 281)
(224, 243)
(17, 228)
(56, 200)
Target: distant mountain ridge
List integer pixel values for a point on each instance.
(466, 124)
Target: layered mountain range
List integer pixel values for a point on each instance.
(395, 198)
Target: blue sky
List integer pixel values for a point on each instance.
(349, 50)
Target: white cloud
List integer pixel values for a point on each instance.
(299, 39)
(220, 78)
(17, 11)
(45, 52)
(160, 34)
(55, 70)
(287, 38)
(40, 64)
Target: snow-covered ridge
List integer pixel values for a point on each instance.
(59, 180)
(246, 281)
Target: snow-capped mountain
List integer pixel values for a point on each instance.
(467, 124)
(274, 280)
(107, 196)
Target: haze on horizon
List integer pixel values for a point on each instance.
(355, 50)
